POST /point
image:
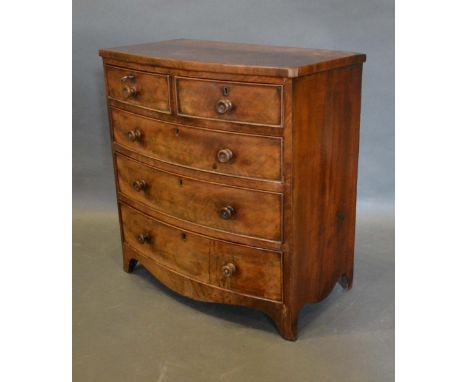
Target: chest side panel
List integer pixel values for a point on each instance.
(326, 143)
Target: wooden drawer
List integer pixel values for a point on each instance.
(229, 266)
(171, 247)
(254, 272)
(231, 209)
(257, 104)
(143, 89)
(225, 153)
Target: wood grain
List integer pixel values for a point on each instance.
(258, 272)
(200, 229)
(152, 90)
(253, 156)
(201, 202)
(251, 103)
(249, 59)
(327, 107)
(176, 249)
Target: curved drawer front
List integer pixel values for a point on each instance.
(143, 89)
(237, 268)
(173, 248)
(230, 101)
(225, 153)
(240, 211)
(254, 272)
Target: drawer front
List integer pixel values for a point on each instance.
(225, 153)
(241, 211)
(178, 250)
(230, 101)
(139, 88)
(238, 268)
(245, 270)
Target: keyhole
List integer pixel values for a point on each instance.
(177, 132)
(225, 91)
(181, 182)
(183, 236)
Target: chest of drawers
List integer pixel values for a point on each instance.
(236, 168)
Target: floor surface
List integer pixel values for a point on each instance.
(129, 327)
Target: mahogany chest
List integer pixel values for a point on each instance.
(236, 168)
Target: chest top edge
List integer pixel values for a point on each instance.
(234, 58)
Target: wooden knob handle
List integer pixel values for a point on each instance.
(224, 155)
(134, 135)
(129, 92)
(223, 106)
(130, 77)
(144, 237)
(229, 269)
(227, 212)
(139, 185)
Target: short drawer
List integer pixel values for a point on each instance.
(231, 209)
(246, 270)
(257, 104)
(238, 268)
(176, 249)
(143, 89)
(224, 153)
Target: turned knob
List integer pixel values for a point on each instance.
(229, 269)
(134, 135)
(143, 238)
(129, 92)
(130, 77)
(223, 106)
(227, 212)
(139, 185)
(224, 155)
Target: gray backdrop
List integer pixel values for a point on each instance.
(356, 25)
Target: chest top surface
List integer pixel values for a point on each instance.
(226, 57)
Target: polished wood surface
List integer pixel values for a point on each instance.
(251, 271)
(254, 272)
(219, 152)
(230, 101)
(200, 202)
(325, 186)
(250, 59)
(139, 88)
(241, 187)
(201, 229)
(176, 249)
(324, 157)
(199, 290)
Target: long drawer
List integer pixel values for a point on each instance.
(232, 209)
(238, 268)
(220, 152)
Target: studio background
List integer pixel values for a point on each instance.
(350, 336)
